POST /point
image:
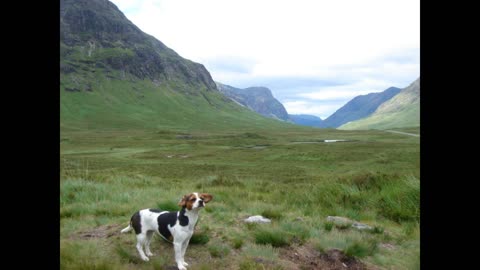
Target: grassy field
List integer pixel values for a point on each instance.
(288, 175)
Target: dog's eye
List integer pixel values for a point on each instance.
(192, 199)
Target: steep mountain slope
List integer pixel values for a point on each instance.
(359, 107)
(258, 99)
(306, 120)
(403, 110)
(113, 75)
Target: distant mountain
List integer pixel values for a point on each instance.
(403, 110)
(306, 120)
(115, 76)
(258, 99)
(359, 107)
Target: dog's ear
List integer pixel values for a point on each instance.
(206, 197)
(183, 201)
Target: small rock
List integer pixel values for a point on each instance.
(257, 219)
(343, 221)
(361, 226)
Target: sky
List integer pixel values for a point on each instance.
(314, 55)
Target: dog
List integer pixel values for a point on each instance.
(176, 226)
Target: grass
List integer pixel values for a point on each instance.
(360, 249)
(107, 175)
(273, 237)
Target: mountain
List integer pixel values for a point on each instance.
(306, 120)
(403, 110)
(113, 75)
(258, 99)
(359, 107)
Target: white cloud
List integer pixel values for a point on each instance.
(369, 44)
(312, 108)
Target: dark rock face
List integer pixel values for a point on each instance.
(359, 107)
(258, 99)
(97, 33)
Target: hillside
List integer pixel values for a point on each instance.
(359, 107)
(306, 120)
(258, 99)
(403, 110)
(113, 75)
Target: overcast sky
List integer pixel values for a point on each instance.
(314, 55)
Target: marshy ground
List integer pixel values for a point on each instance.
(373, 178)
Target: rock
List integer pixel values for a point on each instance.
(346, 222)
(361, 226)
(339, 221)
(257, 219)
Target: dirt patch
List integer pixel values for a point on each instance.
(104, 231)
(305, 257)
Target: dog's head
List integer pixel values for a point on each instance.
(195, 200)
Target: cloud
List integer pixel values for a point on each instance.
(320, 109)
(303, 50)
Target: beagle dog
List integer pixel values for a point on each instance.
(177, 226)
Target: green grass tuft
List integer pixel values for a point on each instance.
(272, 213)
(218, 250)
(270, 236)
(328, 226)
(199, 238)
(237, 242)
(361, 249)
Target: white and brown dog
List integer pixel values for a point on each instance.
(177, 226)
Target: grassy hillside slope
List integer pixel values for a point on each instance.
(403, 110)
(132, 103)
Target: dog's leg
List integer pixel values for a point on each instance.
(177, 244)
(141, 239)
(147, 244)
(184, 249)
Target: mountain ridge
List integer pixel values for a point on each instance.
(98, 29)
(359, 107)
(403, 110)
(257, 98)
(115, 76)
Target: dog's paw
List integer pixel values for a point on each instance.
(145, 258)
(148, 253)
(185, 264)
(181, 267)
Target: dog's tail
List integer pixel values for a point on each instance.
(135, 219)
(127, 229)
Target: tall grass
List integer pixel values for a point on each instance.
(295, 185)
